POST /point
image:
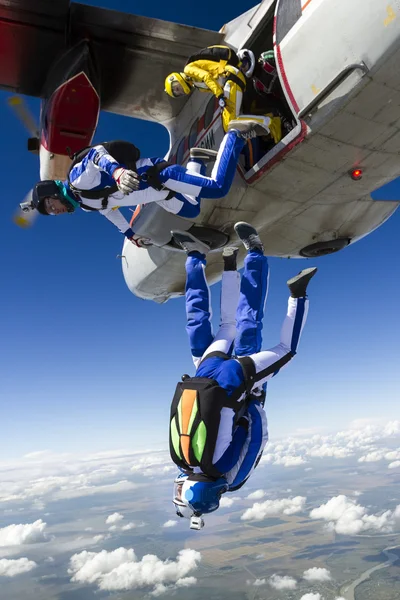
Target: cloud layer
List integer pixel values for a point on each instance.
(317, 574)
(11, 568)
(23, 533)
(121, 570)
(274, 508)
(282, 582)
(345, 516)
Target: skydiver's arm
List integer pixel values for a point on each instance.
(92, 171)
(197, 74)
(100, 157)
(231, 455)
(117, 218)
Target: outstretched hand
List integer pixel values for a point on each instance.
(126, 180)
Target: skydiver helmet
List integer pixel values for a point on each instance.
(177, 84)
(248, 61)
(196, 495)
(51, 189)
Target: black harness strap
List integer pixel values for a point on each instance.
(152, 177)
(236, 79)
(275, 367)
(249, 372)
(216, 353)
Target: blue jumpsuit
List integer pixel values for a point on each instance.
(238, 449)
(190, 184)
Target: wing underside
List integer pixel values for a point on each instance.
(133, 53)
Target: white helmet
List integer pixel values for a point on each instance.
(248, 59)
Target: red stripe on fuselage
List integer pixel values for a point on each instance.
(285, 80)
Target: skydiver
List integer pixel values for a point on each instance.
(223, 72)
(218, 425)
(98, 182)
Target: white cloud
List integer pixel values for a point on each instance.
(114, 518)
(259, 582)
(11, 568)
(272, 508)
(282, 582)
(227, 501)
(159, 590)
(346, 517)
(121, 570)
(23, 533)
(374, 456)
(391, 428)
(128, 526)
(326, 450)
(257, 495)
(289, 461)
(311, 596)
(170, 523)
(100, 537)
(394, 465)
(186, 581)
(317, 574)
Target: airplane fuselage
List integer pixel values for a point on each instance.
(341, 83)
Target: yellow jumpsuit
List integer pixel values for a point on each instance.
(223, 80)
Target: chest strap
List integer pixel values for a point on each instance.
(233, 77)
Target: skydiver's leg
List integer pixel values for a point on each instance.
(269, 362)
(223, 341)
(198, 309)
(191, 208)
(233, 92)
(180, 180)
(250, 312)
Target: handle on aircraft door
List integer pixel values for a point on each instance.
(310, 108)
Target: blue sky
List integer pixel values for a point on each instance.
(87, 366)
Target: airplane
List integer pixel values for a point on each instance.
(309, 195)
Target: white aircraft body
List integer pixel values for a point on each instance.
(310, 194)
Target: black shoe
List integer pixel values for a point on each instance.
(298, 284)
(188, 242)
(203, 154)
(229, 254)
(249, 236)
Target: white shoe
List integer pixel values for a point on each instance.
(248, 128)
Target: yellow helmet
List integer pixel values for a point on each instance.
(183, 82)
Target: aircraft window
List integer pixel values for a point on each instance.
(181, 152)
(208, 115)
(193, 134)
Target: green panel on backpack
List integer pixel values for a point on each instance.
(199, 441)
(175, 438)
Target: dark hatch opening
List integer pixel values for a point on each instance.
(264, 95)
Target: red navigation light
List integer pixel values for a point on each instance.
(356, 174)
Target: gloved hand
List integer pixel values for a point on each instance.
(138, 241)
(127, 181)
(222, 101)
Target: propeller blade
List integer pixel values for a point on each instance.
(25, 215)
(20, 108)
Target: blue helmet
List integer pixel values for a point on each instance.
(52, 189)
(196, 495)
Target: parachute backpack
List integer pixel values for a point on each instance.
(196, 414)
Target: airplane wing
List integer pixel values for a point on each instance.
(134, 53)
